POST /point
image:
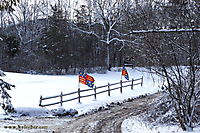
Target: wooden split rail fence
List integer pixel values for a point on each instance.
(109, 89)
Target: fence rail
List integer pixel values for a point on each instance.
(109, 89)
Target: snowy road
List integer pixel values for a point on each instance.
(108, 120)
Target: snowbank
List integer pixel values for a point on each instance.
(135, 125)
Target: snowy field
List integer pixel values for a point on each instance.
(29, 88)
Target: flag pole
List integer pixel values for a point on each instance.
(78, 82)
(79, 100)
(121, 73)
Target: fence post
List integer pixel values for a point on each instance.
(40, 100)
(121, 86)
(79, 96)
(132, 84)
(61, 98)
(95, 92)
(142, 81)
(108, 89)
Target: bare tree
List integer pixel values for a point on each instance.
(107, 16)
(182, 80)
(173, 53)
(8, 4)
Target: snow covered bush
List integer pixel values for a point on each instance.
(160, 112)
(5, 97)
(62, 112)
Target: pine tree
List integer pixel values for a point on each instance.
(5, 97)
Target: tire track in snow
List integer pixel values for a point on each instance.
(107, 120)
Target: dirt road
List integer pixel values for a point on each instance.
(107, 120)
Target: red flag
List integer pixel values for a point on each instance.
(86, 79)
(90, 78)
(82, 80)
(90, 81)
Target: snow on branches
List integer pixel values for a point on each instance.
(5, 97)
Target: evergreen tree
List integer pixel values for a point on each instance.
(5, 97)
(56, 39)
(12, 46)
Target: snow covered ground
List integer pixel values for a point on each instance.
(136, 125)
(25, 97)
(30, 87)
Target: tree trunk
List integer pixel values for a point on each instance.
(108, 58)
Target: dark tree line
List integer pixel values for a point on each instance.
(54, 41)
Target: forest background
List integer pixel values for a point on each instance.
(62, 37)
